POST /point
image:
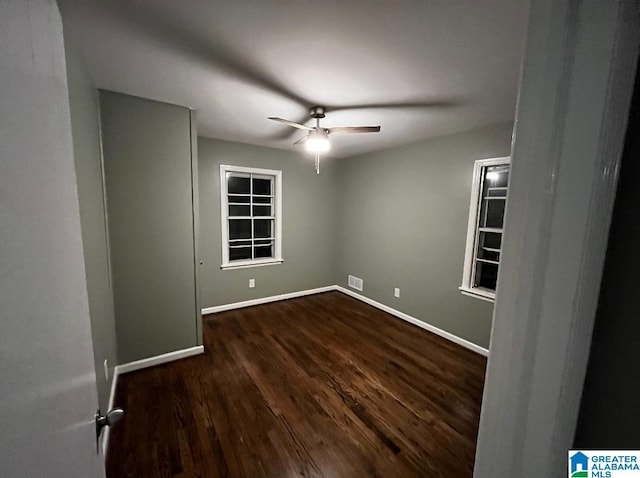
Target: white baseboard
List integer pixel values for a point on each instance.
(137, 365)
(401, 315)
(159, 359)
(265, 300)
(414, 321)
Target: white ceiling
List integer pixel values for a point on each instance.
(419, 69)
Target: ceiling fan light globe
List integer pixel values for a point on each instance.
(317, 143)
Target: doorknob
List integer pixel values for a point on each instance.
(112, 417)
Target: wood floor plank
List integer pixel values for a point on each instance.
(319, 386)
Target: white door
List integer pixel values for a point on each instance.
(47, 382)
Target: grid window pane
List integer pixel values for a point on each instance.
(496, 192)
(261, 252)
(261, 200)
(262, 186)
(239, 199)
(495, 213)
(238, 184)
(262, 210)
(493, 196)
(491, 239)
(489, 246)
(262, 228)
(489, 254)
(239, 229)
(239, 210)
(497, 176)
(239, 254)
(486, 275)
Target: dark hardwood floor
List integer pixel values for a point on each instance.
(320, 386)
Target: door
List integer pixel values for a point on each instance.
(47, 381)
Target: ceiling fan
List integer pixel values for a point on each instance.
(317, 138)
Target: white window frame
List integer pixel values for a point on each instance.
(224, 217)
(467, 287)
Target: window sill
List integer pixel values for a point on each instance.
(478, 294)
(247, 264)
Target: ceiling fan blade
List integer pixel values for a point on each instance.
(302, 140)
(446, 102)
(354, 129)
(291, 123)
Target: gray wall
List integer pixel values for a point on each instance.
(83, 102)
(308, 228)
(147, 161)
(403, 223)
(47, 382)
(609, 413)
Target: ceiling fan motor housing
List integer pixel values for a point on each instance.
(317, 112)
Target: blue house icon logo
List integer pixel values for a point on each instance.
(579, 465)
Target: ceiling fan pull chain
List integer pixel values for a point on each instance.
(317, 162)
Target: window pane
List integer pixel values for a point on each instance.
(236, 199)
(261, 186)
(261, 200)
(261, 252)
(238, 254)
(240, 210)
(238, 184)
(489, 254)
(496, 192)
(491, 239)
(497, 176)
(262, 227)
(486, 275)
(495, 213)
(493, 196)
(262, 210)
(489, 246)
(239, 228)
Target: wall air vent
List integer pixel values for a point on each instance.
(355, 283)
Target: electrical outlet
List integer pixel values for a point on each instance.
(396, 292)
(106, 369)
(252, 283)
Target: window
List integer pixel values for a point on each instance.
(484, 233)
(251, 205)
